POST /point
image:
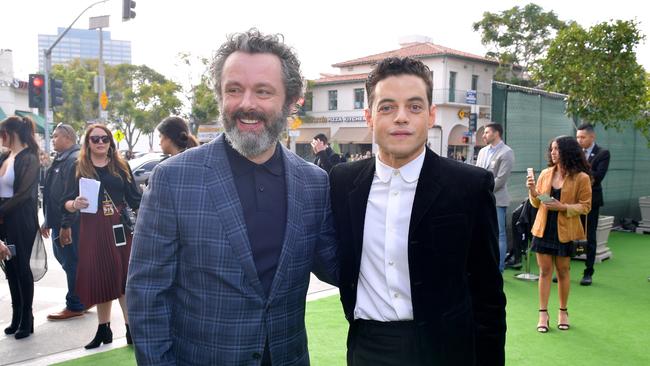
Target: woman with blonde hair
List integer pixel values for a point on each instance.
(562, 194)
(104, 243)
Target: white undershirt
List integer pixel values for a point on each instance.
(384, 288)
(7, 181)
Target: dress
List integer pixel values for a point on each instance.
(103, 266)
(550, 244)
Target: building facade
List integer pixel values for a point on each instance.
(83, 44)
(335, 103)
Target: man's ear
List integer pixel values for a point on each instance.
(368, 115)
(432, 116)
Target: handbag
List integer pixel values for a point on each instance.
(38, 259)
(127, 216)
(579, 247)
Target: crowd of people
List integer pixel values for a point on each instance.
(217, 268)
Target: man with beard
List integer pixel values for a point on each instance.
(229, 232)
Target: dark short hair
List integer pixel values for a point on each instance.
(253, 41)
(322, 137)
(175, 129)
(588, 127)
(395, 66)
(496, 127)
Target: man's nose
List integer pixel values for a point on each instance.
(402, 115)
(248, 101)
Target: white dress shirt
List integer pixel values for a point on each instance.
(384, 288)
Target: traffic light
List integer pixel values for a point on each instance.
(127, 12)
(36, 91)
(56, 92)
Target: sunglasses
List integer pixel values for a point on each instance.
(96, 139)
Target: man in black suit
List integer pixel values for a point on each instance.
(420, 281)
(598, 158)
(326, 158)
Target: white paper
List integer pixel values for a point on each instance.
(89, 189)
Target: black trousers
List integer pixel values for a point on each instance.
(592, 226)
(373, 343)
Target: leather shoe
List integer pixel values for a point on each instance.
(513, 263)
(586, 280)
(64, 314)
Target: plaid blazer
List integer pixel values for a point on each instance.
(193, 294)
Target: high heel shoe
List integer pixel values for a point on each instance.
(15, 322)
(103, 335)
(129, 340)
(26, 327)
(543, 328)
(564, 326)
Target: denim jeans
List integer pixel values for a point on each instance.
(67, 257)
(503, 242)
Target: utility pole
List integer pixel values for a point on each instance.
(47, 53)
(100, 23)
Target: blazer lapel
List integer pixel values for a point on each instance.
(295, 200)
(221, 188)
(358, 199)
(427, 189)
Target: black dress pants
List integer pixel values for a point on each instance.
(592, 226)
(373, 343)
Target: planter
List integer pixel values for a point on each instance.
(644, 225)
(603, 252)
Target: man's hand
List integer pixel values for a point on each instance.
(45, 231)
(317, 146)
(65, 236)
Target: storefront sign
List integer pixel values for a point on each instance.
(346, 119)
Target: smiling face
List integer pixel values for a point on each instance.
(400, 118)
(253, 102)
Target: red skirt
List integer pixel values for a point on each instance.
(102, 266)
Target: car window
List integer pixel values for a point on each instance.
(149, 166)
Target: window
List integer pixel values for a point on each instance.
(358, 98)
(452, 86)
(309, 96)
(332, 96)
(474, 82)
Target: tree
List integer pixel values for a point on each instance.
(598, 70)
(518, 38)
(140, 98)
(80, 99)
(201, 96)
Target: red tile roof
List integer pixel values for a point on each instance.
(415, 50)
(335, 79)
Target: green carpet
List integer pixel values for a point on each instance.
(610, 321)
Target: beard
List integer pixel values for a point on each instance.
(251, 144)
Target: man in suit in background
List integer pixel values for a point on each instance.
(498, 158)
(228, 232)
(598, 158)
(326, 158)
(419, 275)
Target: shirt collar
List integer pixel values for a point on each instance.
(497, 146)
(240, 165)
(590, 148)
(409, 172)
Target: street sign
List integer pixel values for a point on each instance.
(294, 133)
(103, 115)
(118, 135)
(103, 100)
(473, 117)
(470, 97)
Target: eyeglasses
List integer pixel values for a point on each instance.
(105, 139)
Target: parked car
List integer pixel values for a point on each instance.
(143, 165)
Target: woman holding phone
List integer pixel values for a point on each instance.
(562, 194)
(19, 169)
(104, 244)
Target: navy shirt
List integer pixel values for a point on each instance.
(262, 192)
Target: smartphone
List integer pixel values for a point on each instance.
(545, 198)
(119, 235)
(12, 250)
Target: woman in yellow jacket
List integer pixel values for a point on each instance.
(562, 194)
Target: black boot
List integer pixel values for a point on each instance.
(15, 322)
(103, 335)
(129, 340)
(26, 327)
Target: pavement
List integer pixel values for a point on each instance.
(58, 341)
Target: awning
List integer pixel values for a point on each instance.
(2, 114)
(307, 134)
(456, 135)
(353, 135)
(38, 120)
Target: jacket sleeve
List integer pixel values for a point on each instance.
(71, 191)
(539, 186)
(26, 169)
(583, 206)
(599, 169)
(152, 272)
(505, 168)
(326, 265)
(132, 193)
(328, 161)
(485, 281)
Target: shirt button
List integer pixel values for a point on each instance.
(395, 172)
(390, 263)
(261, 188)
(395, 193)
(257, 356)
(396, 295)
